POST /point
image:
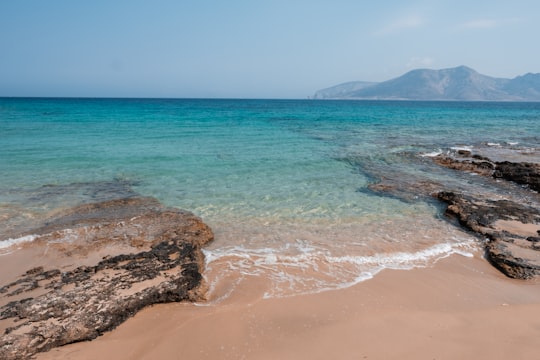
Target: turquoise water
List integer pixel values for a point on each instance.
(281, 182)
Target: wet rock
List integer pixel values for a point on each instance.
(521, 173)
(509, 228)
(510, 225)
(29, 208)
(471, 164)
(501, 205)
(152, 254)
(518, 171)
(407, 190)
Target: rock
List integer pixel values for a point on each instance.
(504, 255)
(29, 208)
(472, 164)
(405, 189)
(508, 226)
(520, 172)
(501, 205)
(152, 254)
(511, 225)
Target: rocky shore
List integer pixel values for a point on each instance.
(91, 267)
(98, 264)
(511, 226)
(491, 191)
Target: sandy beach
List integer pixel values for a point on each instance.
(303, 197)
(460, 308)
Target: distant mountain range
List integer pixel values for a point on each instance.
(456, 84)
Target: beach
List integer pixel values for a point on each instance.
(258, 229)
(458, 308)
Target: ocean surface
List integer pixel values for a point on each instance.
(283, 183)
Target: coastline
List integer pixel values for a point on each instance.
(458, 308)
(364, 195)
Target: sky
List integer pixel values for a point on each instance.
(252, 48)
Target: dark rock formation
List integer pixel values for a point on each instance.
(502, 205)
(152, 254)
(511, 245)
(464, 161)
(511, 225)
(521, 173)
(524, 173)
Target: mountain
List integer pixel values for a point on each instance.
(458, 84)
(525, 86)
(342, 90)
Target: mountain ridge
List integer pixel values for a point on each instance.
(460, 83)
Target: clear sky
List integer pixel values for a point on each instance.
(250, 48)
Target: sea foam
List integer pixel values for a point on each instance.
(304, 269)
(5, 245)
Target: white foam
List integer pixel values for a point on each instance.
(432, 154)
(461, 148)
(403, 260)
(301, 268)
(5, 244)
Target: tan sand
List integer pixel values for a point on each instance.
(517, 227)
(461, 308)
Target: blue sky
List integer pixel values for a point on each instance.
(252, 49)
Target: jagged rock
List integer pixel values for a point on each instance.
(508, 227)
(511, 249)
(472, 164)
(498, 205)
(152, 255)
(520, 172)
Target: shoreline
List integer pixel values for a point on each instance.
(358, 201)
(136, 253)
(458, 308)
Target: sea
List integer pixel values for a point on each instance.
(284, 184)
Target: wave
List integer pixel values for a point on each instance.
(6, 245)
(301, 268)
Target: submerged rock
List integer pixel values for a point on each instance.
(152, 254)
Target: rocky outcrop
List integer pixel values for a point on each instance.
(148, 254)
(512, 231)
(490, 190)
(522, 172)
(512, 225)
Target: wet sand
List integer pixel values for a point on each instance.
(460, 308)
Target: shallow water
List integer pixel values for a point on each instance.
(283, 184)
